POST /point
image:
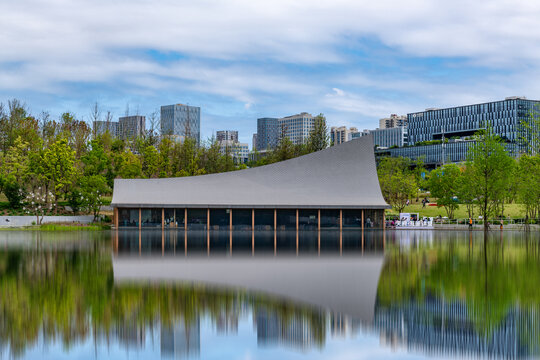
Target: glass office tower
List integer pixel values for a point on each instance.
(181, 121)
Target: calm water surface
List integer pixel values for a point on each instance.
(177, 295)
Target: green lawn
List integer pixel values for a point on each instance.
(512, 210)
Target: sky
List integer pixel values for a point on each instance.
(355, 61)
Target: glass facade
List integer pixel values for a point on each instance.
(181, 121)
(242, 219)
(504, 116)
(151, 217)
(437, 154)
(267, 133)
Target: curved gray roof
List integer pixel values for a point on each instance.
(342, 176)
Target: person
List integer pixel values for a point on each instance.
(407, 202)
(470, 223)
(501, 224)
(423, 203)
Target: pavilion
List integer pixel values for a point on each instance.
(333, 188)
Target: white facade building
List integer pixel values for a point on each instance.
(297, 127)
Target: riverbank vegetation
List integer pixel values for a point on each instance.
(489, 184)
(60, 166)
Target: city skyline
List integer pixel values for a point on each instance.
(355, 62)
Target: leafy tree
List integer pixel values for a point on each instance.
(150, 161)
(465, 192)
(37, 203)
(318, 137)
(128, 165)
(528, 184)
(93, 188)
(59, 168)
(490, 168)
(398, 182)
(444, 185)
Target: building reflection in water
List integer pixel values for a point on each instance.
(435, 294)
(181, 340)
(442, 327)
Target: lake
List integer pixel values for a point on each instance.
(244, 295)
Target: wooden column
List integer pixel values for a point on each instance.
(185, 231)
(230, 231)
(384, 220)
(340, 231)
(162, 218)
(362, 220)
(208, 231)
(252, 231)
(296, 231)
(319, 232)
(275, 231)
(140, 217)
(140, 244)
(115, 214)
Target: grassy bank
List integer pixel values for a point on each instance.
(72, 227)
(512, 210)
(60, 227)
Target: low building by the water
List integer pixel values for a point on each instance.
(333, 188)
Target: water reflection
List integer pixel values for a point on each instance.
(154, 294)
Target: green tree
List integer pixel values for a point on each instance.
(397, 180)
(528, 184)
(490, 168)
(150, 161)
(59, 168)
(465, 192)
(93, 188)
(318, 137)
(444, 185)
(128, 165)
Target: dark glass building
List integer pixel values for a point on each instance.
(458, 125)
(267, 133)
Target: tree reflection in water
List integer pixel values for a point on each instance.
(456, 294)
(438, 292)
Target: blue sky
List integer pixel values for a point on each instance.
(355, 61)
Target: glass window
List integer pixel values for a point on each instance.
(151, 217)
(128, 217)
(196, 219)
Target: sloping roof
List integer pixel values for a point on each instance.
(342, 176)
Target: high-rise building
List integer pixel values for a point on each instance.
(100, 127)
(227, 135)
(390, 137)
(254, 142)
(341, 134)
(267, 133)
(393, 121)
(181, 121)
(296, 127)
(131, 127)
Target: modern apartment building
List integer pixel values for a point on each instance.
(181, 121)
(131, 127)
(339, 135)
(267, 133)
(393, 121)
(224, 135)
(254, 142)
(296, 127)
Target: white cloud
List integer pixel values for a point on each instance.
(263, 54)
